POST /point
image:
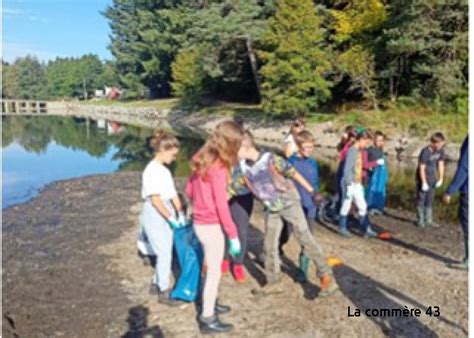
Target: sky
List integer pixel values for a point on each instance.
(54, 28)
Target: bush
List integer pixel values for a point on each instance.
(188, 76)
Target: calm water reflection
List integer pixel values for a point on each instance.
(40, 150)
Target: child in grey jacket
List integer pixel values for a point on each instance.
(352, 187)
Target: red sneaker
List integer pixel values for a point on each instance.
(225, 267)
(239, 273)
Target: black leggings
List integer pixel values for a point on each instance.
(241, 210)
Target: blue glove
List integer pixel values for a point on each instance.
(234, 247)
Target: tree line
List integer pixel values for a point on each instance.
(28, 78)
(292, 56)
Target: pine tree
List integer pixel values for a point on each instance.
(296, 60)
(424, 49)
(127, 45)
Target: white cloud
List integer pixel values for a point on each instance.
(16, 13)
(10, 12)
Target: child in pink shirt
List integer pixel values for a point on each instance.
(207, 190)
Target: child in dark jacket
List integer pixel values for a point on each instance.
(460, 184)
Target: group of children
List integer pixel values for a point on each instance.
(229, 172)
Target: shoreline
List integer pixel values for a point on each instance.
(71, 269)
(271, 134)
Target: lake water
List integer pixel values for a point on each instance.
(39, 150)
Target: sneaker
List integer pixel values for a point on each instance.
(225, 267)
(328, 285)
(345, 233)
(165, 298)
(239, 273)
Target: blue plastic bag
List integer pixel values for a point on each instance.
(376, 191)
(190, 255)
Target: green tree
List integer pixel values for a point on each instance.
(296, 60)
(356, 25)
(189, 75)
(73, 77)
(134, 25)
(10, 84)
(31, 78)
(423, 50)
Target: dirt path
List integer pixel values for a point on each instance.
(70, 269)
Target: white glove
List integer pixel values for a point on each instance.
(182, 219)
(425, 187)
(439, 184)
(380, 161)
(234, 247)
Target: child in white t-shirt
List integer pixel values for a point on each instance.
(162, 210)
(291, 148)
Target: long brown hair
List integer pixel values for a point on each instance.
(222, 145)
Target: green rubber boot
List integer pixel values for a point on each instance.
(303, 270)
(429, 218)
(421, 217)
(464, 265)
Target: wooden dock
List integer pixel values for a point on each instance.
(24, 107)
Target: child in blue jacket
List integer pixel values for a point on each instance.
(307, 166)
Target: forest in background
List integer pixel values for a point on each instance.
(291, 57)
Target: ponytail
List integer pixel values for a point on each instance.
(162, 141)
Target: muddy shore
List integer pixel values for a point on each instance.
(70, 269)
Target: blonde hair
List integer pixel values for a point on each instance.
(161, 140)
(223, 145)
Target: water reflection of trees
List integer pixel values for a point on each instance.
(35, 133)
(131, 146)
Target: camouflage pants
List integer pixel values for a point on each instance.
(273, 225)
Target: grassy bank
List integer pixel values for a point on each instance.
(416, 120)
